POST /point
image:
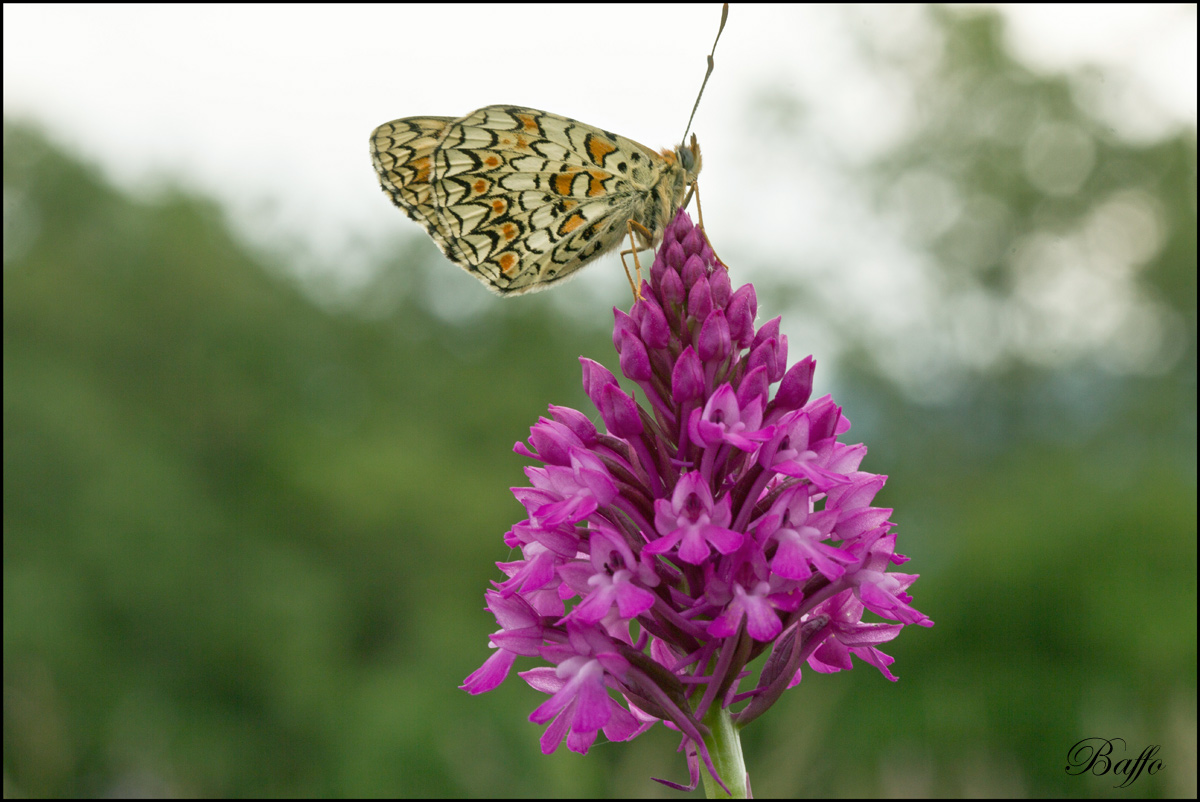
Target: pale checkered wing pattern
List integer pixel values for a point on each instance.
(523, 198)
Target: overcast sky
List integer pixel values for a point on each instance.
(268, 108)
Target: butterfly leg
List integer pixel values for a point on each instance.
(646, 236)
(694, 189)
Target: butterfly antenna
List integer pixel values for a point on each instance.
(724, 16)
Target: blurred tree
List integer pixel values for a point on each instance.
(239, 528)
(1038, 422)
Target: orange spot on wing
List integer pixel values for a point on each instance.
(509, 231)
(480, 186)
(571, 223)
(598, 148)
(423, 166)
(508, 263)
(492, 161)
(527, 122)
(498, 206)
(596, 184)
(562, 183)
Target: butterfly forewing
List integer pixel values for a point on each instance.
(523, 198)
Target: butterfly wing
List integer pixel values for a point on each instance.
(402, 153)
(530, 197)
(522, 198)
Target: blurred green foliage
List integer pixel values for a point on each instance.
(246, 536)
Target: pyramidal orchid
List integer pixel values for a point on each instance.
(716, 520)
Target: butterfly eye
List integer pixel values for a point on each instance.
(686, 158)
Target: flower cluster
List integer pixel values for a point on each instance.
(709, 524)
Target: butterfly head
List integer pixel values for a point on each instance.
(689, 157)
(684, 161)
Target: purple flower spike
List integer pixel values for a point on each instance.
(716, 519)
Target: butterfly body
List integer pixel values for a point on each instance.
(522, 198)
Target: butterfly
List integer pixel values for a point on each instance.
(522, 199)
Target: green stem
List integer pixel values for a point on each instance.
(725, 747)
